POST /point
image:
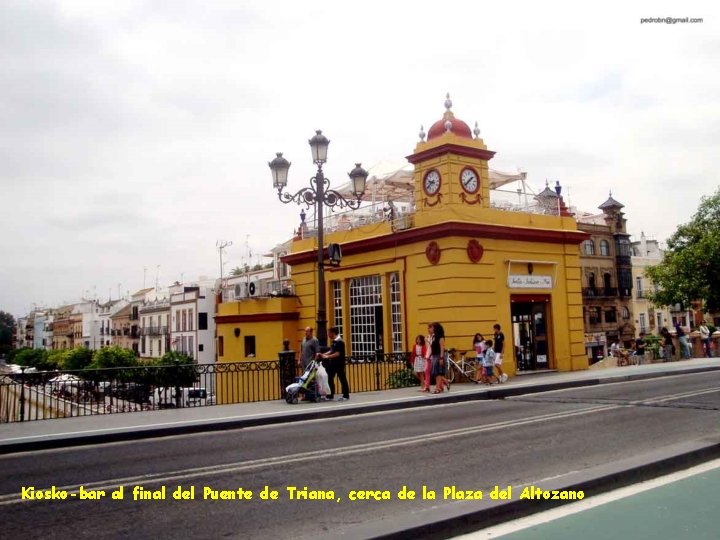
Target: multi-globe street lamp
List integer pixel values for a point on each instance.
(320, 195)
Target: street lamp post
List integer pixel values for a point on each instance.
(320, 195)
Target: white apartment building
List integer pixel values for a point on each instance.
(648, 317)
(154, 321)
(192, 325)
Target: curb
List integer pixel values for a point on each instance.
(73, 439)
(467, 517)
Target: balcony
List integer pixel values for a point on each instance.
(642, 295)
(154, 330)
(597, 292)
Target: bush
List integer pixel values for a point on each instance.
(402, 378)
(37, 358)
(77, 358)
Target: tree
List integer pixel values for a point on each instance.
(37, 358)
(689, 270)
(113, 357)
(7, 325)
(77, 358)
(178, 370)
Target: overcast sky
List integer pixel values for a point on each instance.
(136, 134)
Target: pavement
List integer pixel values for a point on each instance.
(461, 517)
(95, 429)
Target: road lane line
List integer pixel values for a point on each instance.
(534, 520)
(243, 466)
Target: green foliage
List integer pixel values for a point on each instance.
(37, 358)
(180, 370)
(652, 344)
(77, 358)
(402, 378)
(113, 357)
(7, 323)
(688, 271)
(57, 357)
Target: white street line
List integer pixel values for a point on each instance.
(498, 531)
(243, 466)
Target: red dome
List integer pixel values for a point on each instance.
(458, 127)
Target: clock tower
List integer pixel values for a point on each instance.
(451, 167)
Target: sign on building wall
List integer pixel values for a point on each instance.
(526, 281)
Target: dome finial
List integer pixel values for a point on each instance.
(476, 131)
(448, 102)
(422, 134)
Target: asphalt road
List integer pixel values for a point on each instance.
(473, 446)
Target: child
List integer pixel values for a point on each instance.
(419, 363)
(489, 363)
(479, 346)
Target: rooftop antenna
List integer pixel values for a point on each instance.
(222, 245)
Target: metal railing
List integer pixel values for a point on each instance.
(27, 395)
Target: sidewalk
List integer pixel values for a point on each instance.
(34, 435)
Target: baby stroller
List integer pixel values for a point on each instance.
(306, 385)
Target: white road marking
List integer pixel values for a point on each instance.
(243, 466)
(586, 504)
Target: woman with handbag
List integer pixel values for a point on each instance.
(439, 363)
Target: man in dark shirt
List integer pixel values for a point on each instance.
(499, 342)
(336, 366)
(640, 345)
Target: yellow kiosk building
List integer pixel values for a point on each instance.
(454, 258)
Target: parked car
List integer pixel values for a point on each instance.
(167, 397)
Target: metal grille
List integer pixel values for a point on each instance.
(396, 313)
(365, 295)
(337, 305)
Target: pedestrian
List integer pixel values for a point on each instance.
(429, 378)
(479, 346)
(640, 346)
(336, 366)
(489, 363)
(682, 340)
(420, 361)
(499, 344)
(309, 349)
(705, 338)
(439, 365)
(667, 344)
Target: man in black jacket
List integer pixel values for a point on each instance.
(336, 366)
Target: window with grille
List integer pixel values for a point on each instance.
(396, 313)
(365, 296)
(337, 305)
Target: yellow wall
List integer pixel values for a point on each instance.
(464, 296)
(247, 317)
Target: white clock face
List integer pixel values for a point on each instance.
(432, 182)
(469, 180)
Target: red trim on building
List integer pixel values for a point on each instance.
(456, 149)
(257, 317)
(451, 228)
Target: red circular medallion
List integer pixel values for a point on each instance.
(474, 250)
(432, 252)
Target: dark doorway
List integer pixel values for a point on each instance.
(530, 332)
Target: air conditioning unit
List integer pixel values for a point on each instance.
(253, 289)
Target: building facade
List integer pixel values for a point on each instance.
(648, 317)
(606, 280)
(457, 259)
(192, 330)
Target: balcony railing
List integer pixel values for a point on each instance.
(598, 292)
(154, 330)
